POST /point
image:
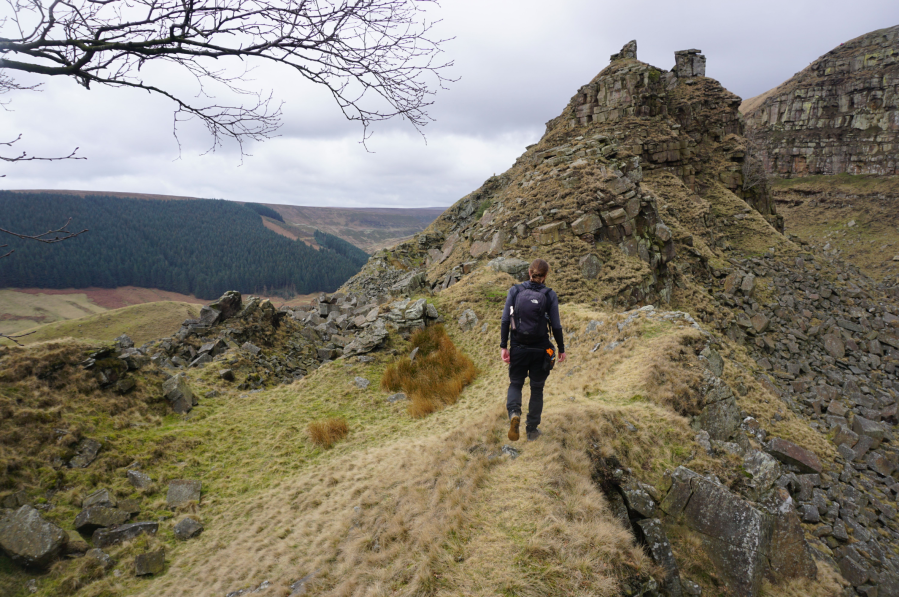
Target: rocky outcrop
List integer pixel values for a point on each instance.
(281, 345)
(838, 115)
(579, 196)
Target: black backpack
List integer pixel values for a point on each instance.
(530, 313)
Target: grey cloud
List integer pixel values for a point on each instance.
(519, 64)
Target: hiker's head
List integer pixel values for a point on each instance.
(538, 270)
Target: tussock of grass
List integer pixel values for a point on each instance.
(437, 375)
(328, 432)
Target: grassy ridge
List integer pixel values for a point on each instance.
(409, 505)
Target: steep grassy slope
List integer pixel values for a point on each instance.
(853, 218)
(141, 322)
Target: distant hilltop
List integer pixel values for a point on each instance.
(369, 228)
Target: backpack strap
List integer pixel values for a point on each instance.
(515, 317)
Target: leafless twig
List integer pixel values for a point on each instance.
(377, 58)
(13, 337)
(49, 237)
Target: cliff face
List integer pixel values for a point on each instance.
(578, 197)
(839, 115)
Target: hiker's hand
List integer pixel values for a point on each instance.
(561, 357)
(504, 352)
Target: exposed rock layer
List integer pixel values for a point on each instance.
(838, 115)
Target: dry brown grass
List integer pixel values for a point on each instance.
(673, 375)
(328, 432)
(436, 377)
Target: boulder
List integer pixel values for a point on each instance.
(209, 317)
(124, 341)
(590, 266)
(763, 469)
(90, 519)
(468, 320)
(550, 233)
(368, 340)
(201, 360)
(182, 491)
(15, 500)
(104, 537)
(139, 480)
(747, 287)
(29, 540)
(713, 361)
(417, 309)
(845, 436)
(789, 556)
(517, 268)
(834, 346)
(100, 557)
(152, 562)
(251, 348)
(872, 429)
(720, 416)
(637, 499)
(478, 248)
(87, 451)
(101, 497)
(214, 348)
(229, 304)
(226, 374)
(188, 529)
(735, 533)
(178, 394)
(759, 323)
(660, 550)
(791, 454)
(131, 506)
(586, 224)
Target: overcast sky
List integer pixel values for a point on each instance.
(518, 64)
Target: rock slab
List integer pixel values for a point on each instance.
(113, 536)
(152, 562)
(29, 540)
(188, 529)
(182, 491)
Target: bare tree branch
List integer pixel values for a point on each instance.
(377, 58)
(49, 237)
(13, 338)
(24, 157)
(7, 84)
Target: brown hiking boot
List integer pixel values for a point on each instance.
(533, 434)
(514, 422)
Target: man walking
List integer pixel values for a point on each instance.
(531, 308)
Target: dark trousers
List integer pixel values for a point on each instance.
(526, 362)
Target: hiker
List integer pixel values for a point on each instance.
(531, 308)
